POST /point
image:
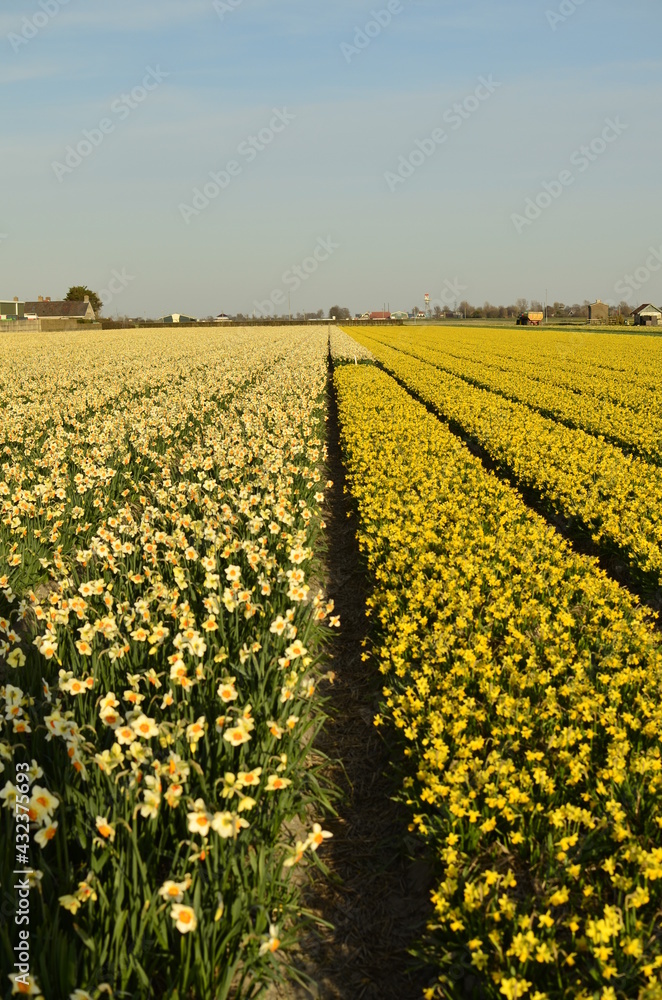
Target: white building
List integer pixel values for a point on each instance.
(647, 315)
(178, 318)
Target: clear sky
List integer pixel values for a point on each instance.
(342, 152)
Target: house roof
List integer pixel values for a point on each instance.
(44, 310)
(646, 306)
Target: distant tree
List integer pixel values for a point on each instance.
(438, 313)
(77, 293)
(624, 309)
(536, 306)
(522, 305)
(340, 312)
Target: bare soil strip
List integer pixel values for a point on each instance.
(378, 894)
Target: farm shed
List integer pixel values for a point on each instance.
(598, 312)
(178, 318)
(647, 315)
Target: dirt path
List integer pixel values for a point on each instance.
(377, 897)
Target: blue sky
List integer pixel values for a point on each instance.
(99, 173)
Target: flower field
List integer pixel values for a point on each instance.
(526, 686)
(576, 379)
(615, 496)
(160, 634)
(164, 636)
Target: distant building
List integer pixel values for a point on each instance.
(647, 315)
(177, 318)
(399, 315)
(598, 312)
(44, 308)
(380, 316)
(12, 310)
(223, 318)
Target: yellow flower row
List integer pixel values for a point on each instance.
(577, 394)
(526, 688)
(590, 482)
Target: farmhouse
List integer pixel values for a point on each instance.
(383, 317)
(598, 312)
(12, 310)
(647, 315)
(44, 308)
